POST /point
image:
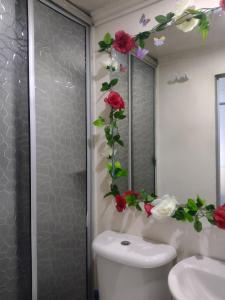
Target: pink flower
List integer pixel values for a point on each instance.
(123, 42)
(115, 100)
(120, 203)
(222, 4)
(148, 208)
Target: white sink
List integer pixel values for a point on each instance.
(198, 277)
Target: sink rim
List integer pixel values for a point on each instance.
(198, 263)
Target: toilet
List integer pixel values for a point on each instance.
(132, 268)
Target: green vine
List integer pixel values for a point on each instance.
(194, 209)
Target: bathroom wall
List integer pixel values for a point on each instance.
(212, 240)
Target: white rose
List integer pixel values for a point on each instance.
(164, 207)
(111, 63)
(187, 24)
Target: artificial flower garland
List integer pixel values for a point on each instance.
(186, 18)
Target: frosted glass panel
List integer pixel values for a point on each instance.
(221, 103)
(15, 250)
(143, 142)
(60, 70)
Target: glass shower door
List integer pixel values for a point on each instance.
(60, 75)
(15, 233)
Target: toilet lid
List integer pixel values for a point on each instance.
(132, 250)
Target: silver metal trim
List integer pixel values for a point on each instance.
(89, 166)
(71, 9)
(130, 171)
(33, 167)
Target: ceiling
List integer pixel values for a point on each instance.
(90, 6)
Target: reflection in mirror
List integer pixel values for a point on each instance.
(122, 89)
(143, 134)
(221, 137)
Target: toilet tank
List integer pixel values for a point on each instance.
(132, 268)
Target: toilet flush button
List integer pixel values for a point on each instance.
(125, 243)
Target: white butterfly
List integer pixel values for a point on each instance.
(159, 41)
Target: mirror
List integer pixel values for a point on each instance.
(221, 137)
(186, 134)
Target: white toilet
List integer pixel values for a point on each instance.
(132, 268)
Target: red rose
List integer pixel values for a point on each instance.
(120, 203)
(115, 100)
(222, 4)
(219, 216)
(123, 42)
(131, 193)
(148, 208)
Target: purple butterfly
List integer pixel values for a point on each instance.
(144, 21)
(141, 52)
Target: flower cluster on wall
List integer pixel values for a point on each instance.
(185, 18)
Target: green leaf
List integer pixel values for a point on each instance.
(103, 46)
(108, 39)
(143, 193)
(192, 205)
(138, 207)
(161, 19)
(141, 43)
(189, 217)
(210, 207)
(113, 82)
(117, 139)
(170, 16)
(197, 225)
(200, 202)
(121, 173)
(109, 167)
(100, 122)
(105, 86)
(108, 136)
(143, 35)
(179, 214)
(160, 27)
(131, 200)
(115, 190)
(210, 218)
(203, 24)
(118, 165)
(119, 114)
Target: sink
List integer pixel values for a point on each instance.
(198, 277)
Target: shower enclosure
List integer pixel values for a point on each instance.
(44, 152)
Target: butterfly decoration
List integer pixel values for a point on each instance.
(144, 21)
(159, 41)
(141, 52)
